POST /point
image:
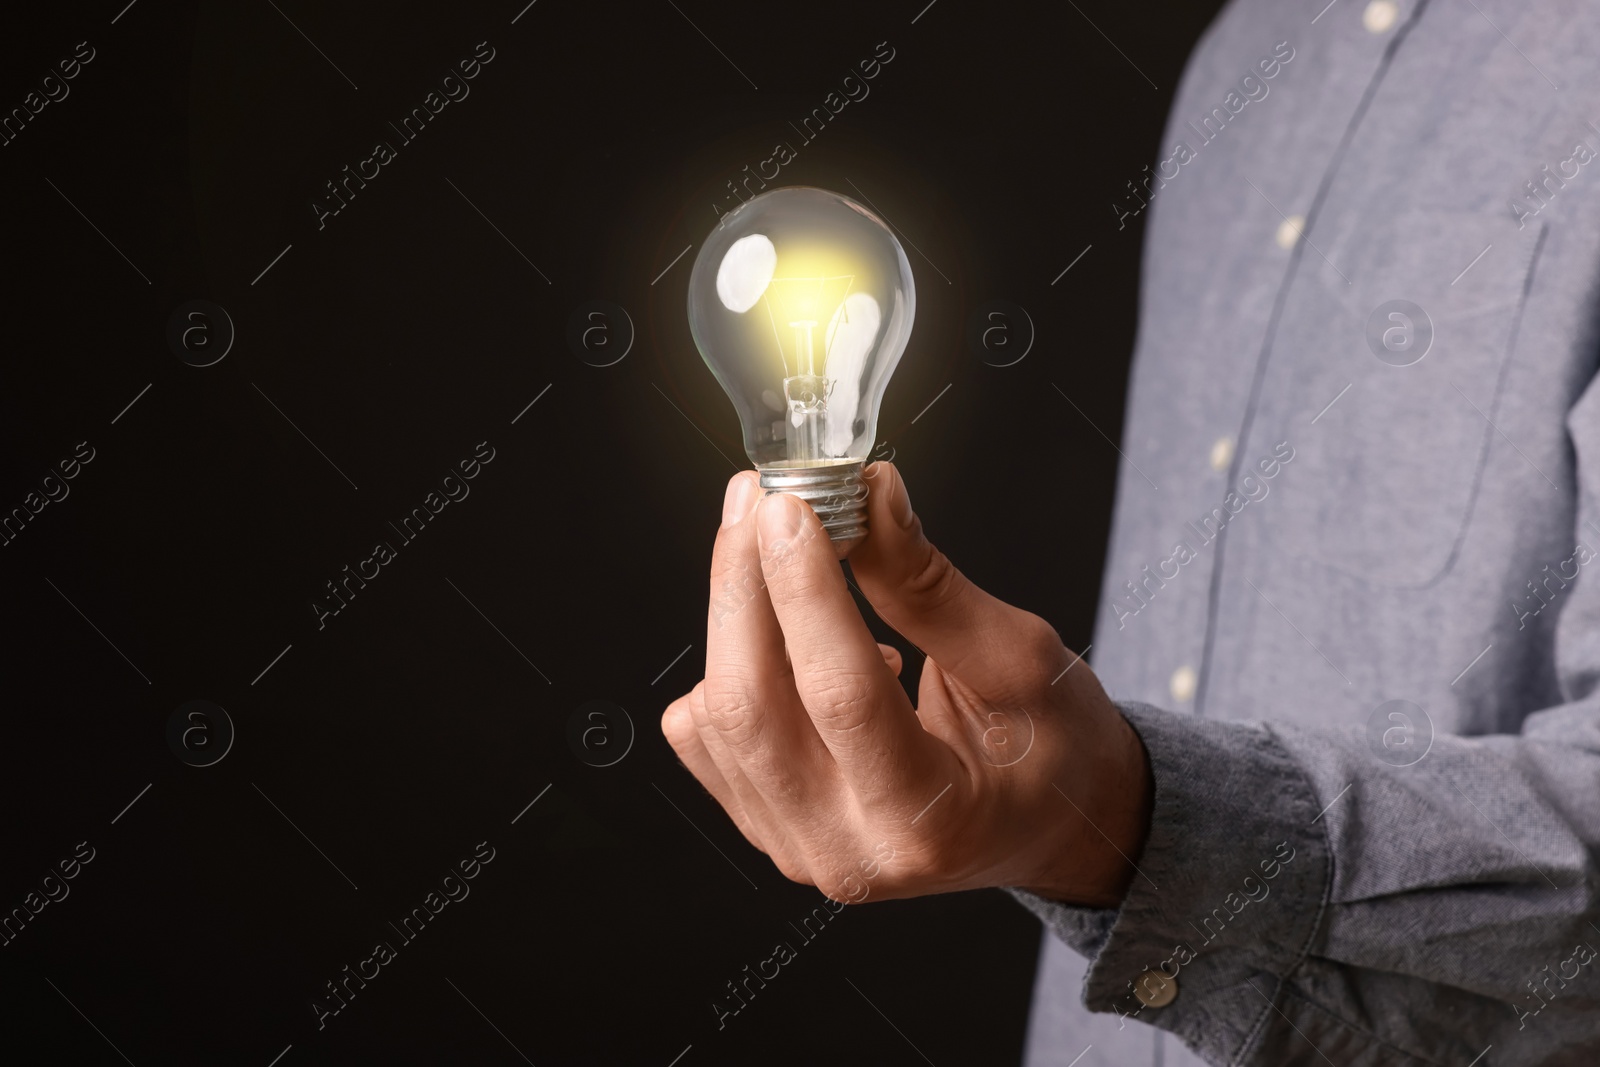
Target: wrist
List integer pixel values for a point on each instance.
(1105, 823)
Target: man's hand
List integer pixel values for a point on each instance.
(1014, 768)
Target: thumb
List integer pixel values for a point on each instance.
(986, 643)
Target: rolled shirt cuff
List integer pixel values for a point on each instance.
(1228, 892)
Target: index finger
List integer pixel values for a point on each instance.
(853, 697)
(749, 699)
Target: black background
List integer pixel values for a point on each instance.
(427, 714)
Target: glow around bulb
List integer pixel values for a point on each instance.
(801, 303)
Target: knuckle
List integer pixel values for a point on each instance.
(789, 578)
(791, 868)
(933, 581)
(841, 885)
(923, 859)
(733, 710)
(1042, 647)
(841, 699)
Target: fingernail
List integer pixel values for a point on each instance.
(779, 520)
(900, 504)
(737, 501)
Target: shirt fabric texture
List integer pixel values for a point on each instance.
(1364, 654)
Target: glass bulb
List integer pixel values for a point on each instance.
(801, 303)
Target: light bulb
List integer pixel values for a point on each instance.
(801, 303)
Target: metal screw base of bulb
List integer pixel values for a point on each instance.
(836, 492)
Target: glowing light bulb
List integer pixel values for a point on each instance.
(801, 303)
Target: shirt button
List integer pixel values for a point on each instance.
(1221, 453)
(1155, 990)
(1380, 15)
(1182, 684)
(1289, 231)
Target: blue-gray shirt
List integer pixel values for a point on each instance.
(1348, 603)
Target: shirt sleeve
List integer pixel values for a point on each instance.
(1311, 901)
